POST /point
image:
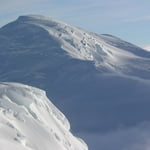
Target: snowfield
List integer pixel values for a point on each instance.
(99, 81)
(29, 121)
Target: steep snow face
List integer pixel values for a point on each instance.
(29, 121)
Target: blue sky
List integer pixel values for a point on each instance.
(127, 19)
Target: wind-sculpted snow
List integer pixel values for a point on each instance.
(99, 81)
(29, 121)
(44, 36)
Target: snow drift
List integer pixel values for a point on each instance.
(29, 121)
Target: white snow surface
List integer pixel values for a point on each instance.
(103, 50)
(99, 81)
(29, 121)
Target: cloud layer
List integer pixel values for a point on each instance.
(133, 138)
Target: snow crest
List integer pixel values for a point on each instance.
(29, 121)
(106, 51)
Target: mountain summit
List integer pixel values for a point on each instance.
(100, 82)
(105, 51)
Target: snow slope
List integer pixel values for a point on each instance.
(100, 82)
(29, 121)
(105, 51)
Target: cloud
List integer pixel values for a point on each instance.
(13, 5)
(139, 19)
(110, 11)
(11, 9)
(146, 47)
(133, 138)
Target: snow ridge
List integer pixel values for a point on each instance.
(29, 121)
(106, 51)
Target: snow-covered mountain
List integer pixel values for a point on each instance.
(29, 121)
(100, 82)
(38, 35)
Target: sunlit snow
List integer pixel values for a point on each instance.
(29, 121)
(99, 81)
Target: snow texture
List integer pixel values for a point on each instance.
(29, 121)
(100, 82)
